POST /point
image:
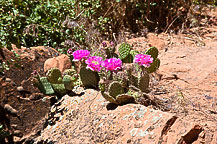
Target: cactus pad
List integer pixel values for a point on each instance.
(128, 59)
(134, 53)
(153, 51)
(70, 72)
(109, 98)
(154, 66)
(54, 76)
(59, 88)
(144, 82)
(124, 50)
(115, 88)
(68, 82)
(89, 78)
(124, 98)
(44, 86)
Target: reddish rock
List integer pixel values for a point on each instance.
(62, 62)
(90, 119)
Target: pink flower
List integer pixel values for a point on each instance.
(80, 54)
(94, 63)
(112, 64)
(143, 60)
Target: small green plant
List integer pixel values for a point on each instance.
(55, 82)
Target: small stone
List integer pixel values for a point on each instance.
(18, 133)
(35, 96)
(20, 89)
(8, 80)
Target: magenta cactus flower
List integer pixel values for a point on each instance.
(112, 64)
(80, 54)
(94, 63)
(143, 60)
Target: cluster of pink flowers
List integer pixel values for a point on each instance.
(95, 63)
(143, 60)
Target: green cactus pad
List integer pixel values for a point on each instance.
(54, 76)
(128, 59)
(68, 82)
(100, 54)
(134, 53)
(115, 88)
(59, 88)
(70, 72)
(154, 66)
(144, 82)
(124, 98)
(89, 78)
(124, 50)
(134, 80)
(153, 51)
(109, 98)
(44, 86)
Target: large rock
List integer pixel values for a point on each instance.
(90, 119)
(62, 62)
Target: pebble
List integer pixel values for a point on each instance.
(20, 89)
(8, 80)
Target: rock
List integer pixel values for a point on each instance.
(7, 80)
(10, 110)
(62, 62)
(20, 89)
(128, 123)
(36, 96)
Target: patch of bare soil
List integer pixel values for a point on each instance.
(187, 78)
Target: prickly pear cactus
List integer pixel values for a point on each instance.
(124, 98)
(44, 86)
(109, 98)
(70, 72)
(134, 53)
(153, 51)
(124, 50)
(128, 59)
(143, 82)
(154, 66)
(89, 78)
(59, 88)
(115, 88)
(120, 99)
(68, 82)
(134, 80)
(54, 76)
(100, 54)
